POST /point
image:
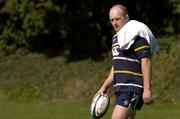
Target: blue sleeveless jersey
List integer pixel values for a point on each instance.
(127, 65)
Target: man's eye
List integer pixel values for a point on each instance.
(112, 20)
(117, 19)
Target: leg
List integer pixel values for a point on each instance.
(120, 112)
(126, 105)
(132, 114)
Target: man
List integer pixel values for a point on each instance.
(131, 67)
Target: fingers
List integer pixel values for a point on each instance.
(147, 97)
(99, 92)
(148, 100)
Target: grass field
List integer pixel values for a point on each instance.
(80, 110)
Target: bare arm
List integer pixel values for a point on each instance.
(106, 83)
(146, 70)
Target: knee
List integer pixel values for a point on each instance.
(130, 118)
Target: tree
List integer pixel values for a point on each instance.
(79, 27)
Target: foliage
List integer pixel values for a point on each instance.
(77, 29)
(80, 27)
(166, 71)
(24, 24)
(37, 77)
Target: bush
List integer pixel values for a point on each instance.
(166, 73)
(38, 77)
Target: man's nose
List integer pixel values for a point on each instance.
(114, 22)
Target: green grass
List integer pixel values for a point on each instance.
(35, 76)
(160, 111)
(77, 110)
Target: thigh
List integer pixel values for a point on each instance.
(121, 112)
(129, 100)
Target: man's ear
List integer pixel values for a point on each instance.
(127, 17)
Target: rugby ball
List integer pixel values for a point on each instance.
(99, 105)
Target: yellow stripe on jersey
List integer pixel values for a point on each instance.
(128, 72)
(115, 44)
(144, 46)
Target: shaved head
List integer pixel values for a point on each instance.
(118, 16)
(121, 8)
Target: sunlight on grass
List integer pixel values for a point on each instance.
(78, 110)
